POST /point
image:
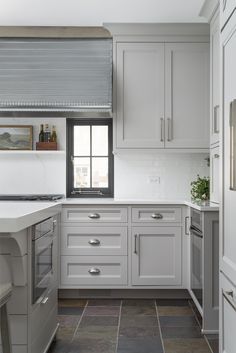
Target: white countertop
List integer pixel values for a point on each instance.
(201, 206)
(18, 215)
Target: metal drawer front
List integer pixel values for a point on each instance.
(94, 215)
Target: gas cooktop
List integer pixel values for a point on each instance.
(31, 197)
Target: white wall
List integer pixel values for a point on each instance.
(47, 173)
(34, 174)
(95, 12)
(174, 171)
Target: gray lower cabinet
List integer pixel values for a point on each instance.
(145, 251)
(156, 256)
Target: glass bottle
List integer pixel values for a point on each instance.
(41, 134)
(47, 133)
(54, 134)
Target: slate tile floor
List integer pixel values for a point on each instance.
(130, 326)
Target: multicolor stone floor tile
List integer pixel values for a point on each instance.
(130, 326)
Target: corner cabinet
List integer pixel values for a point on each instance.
(161, 94)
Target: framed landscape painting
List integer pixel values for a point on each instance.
(16, 137)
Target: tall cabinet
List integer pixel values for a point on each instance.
(228, 199)
(161, 86)
(211, 12)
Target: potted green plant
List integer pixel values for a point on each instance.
(200, 190)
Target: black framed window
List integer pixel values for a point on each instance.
(90, 166)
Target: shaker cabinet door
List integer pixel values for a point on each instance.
(140, 95)
(156, 256)
(187, 95)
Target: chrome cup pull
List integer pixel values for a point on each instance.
(94, 271)
(157, 216)
(94, 242)
(94, 215)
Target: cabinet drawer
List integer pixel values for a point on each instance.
(94, 215)
(226, 9)
(41, 311)
(228, 315)
(94, 240)
(93, 270)
(156, 214)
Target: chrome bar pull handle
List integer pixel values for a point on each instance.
(135, 244)
(215, 119)
(94, 216)
(94, 242)
(94, 271)
(229, 296)
(157, 216)
(162, 129)
(186, 225)
(54, 224)
(232, 124)
(169, 131)
(44, 300)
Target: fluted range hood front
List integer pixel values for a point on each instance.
(56, 74)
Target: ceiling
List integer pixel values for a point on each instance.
(95, 12)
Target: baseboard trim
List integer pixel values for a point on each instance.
(124, 293)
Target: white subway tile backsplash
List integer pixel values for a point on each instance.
(176, 171)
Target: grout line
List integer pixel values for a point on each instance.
(199, 324)
(159, 324)
(77, 327)
(208, 344)
(118, 327)
(194, 314)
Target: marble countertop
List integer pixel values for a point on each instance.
(203, 206)
(18, 215)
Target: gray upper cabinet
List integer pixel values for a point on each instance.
(187, 95)
(140, 95)
(162, 95)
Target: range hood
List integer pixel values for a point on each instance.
(55, 71)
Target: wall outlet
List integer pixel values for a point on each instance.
(154, 179)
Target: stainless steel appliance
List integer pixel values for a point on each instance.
(196, 256)
(42, 258)
(204, 266)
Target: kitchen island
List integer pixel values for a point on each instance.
(33, 323)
